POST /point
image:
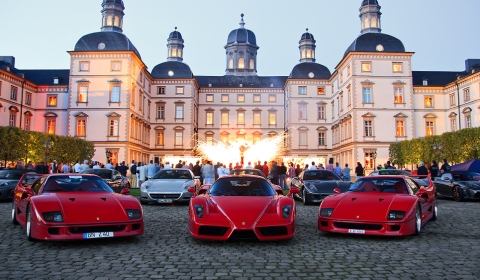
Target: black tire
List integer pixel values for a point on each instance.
(418, 221)
(304, 197)
(29, 224)
(14, 213)
(457, 194)
(143, 202)
(435, 210)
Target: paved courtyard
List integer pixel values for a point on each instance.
(448, 248)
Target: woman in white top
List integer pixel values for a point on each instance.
(225, 170)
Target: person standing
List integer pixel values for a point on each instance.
(298, 170)
(422, 170)
(445, 167)
(133, 173)
(249, 166)
(142, 173)
(329, 165)
(433, 170)
(313, 166)
(167, 165)
(258, 165)
(30, 166)
(291, 171)
(207, 173)
(215, 169)
(275, 173)
(283, 176)
(359, 170)
(338, 170)
(78, 167)
(123, 169)
(66, 168)
(97, 165)
(85, 165)
(265, 169)
(346, 173)
(109, 165)
(150, 169)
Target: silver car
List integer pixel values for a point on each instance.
(168, 186)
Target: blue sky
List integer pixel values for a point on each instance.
(442, 33)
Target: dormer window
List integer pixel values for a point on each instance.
(425, 82)
(56, 81)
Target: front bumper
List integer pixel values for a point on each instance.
(165, 197)
(393, 228)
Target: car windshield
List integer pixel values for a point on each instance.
(102, 173)
(392, 172)
(320, 175)
(13, 174)
(387, 185)
(76, 183)
(173, 174)
(241, 187)
(466, 176)
(247, 172)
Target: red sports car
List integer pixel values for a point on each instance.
(242, 207)
(379, 205)
(74, 206)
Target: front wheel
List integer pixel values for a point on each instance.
(418, 221)
(304, 197)
(14, 213)
(457, 194)
(29, 224)
(435, 210)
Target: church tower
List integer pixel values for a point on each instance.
(241, 52)
(370, 16)
(112, 15)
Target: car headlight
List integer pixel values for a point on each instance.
(134, 214)
(199, 210)
(396, 215)
(326, 212)
(286, 210)
(312, 187)
(144, 187)
(53, 216)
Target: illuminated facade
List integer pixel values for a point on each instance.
(370, 100)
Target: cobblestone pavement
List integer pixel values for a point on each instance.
(448, 248)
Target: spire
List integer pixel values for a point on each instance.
(370, 16)
(112, 15)
(307, 47)
(242, 23)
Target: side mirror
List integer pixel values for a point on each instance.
(294, 190)
(191, 189)
(27, 192)
(125, 191)
(337, 190)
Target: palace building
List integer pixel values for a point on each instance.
(351, 113)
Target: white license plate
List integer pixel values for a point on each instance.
(89, 235)
(358, 231)
(164, 200)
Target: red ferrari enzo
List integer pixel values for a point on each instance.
(74, 206)
(379, 205)
(242, 207)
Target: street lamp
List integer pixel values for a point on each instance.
(47, 145)
(374, 156)
(437, 148)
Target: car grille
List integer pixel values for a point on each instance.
(96, 229)
(273, 231)
(358, 226)
(243, 234)
(213, 231)
(165, 195)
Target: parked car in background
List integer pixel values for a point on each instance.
(250, 171)
(169, 185)
(459, 185)
(8, 181)
(241, 207)
(111, 176)
(390, 172)
(315, 185)
(74, 206)
(379, 205)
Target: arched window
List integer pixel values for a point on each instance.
(309, 53)
(117, 21)
(179, 53)
(230, 63)
(303, 54)
(109, 20)
(365, 23)
(373, 22)
(252, 63)
(241, 63)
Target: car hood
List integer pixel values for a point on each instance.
(473, 185)
(243, 212)
(79, 207)
(359, 206)
(6, 182)
(323, 186)
(169, 185)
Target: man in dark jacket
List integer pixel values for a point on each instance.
(197, 170)
(275, 173)
(422, 170)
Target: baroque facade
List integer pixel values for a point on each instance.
(371, 99)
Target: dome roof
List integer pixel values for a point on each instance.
(105, 41)
(310, 70)
(172, 69)
(307, 36)
(368, 42)
(369, 2)
(113, 1)
(242, 35)
(175, 35)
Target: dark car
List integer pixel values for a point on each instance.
(315, 185)
(390, 172)
(459, 185)
(112, 177)
(251, 171)
(8, 181)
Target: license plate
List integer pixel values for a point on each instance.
(358, 231)
(164, 200)
(89, 235)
